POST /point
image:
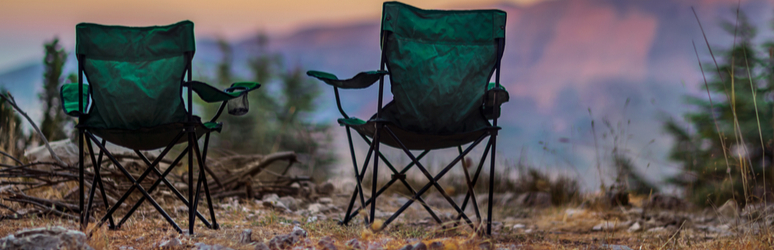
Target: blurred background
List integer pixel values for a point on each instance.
(600, 89)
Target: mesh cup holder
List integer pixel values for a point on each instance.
(238, 106)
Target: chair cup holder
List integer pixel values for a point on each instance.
(238, 106)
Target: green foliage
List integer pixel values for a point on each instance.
(54, 119)
(729, 142)
(278, 119)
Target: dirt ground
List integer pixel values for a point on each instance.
(569, 227)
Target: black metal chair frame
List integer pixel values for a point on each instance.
(201, 157)
(382, 127)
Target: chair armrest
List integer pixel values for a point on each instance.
(490, 102)
(359, 81)
(211, 94)
(68, 94)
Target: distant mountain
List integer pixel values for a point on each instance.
(629, 63)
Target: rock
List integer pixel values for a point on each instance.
(45, 238)
(519, 227)
(610, 226)
(325, 201)
(420, 246)
(437, 245)
(316, 208)
(407, 247)
(202, 246)
(534, 199)
(615, 247)
(300, 232)
(485, 246)
(311, 219)
(290, 202)
(246, 236)
(657, 230)
(354, 244)
(261, 246)
(281, 242)
(326, 243)
(729, 210)
(665, 202)
(325, 188)
(174, 242)
(636, 227)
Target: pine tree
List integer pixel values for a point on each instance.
(54, 119)
(729, 142)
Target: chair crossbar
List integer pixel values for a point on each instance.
(136, 183)
(97, 181)
(403, 181)
(475, 178)
(433, 180)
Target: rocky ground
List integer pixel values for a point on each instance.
(524, 221)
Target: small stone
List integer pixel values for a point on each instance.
(420, 246)
(354, 244)
(55, 237)
(435, 246)
(261, 246)
(656, 230)
(485, 246)
(325, 201)
(636, 227)
(407, 247)
(325, 188)
(246, 236)
(311, 219)
(300, 232)
(610, 226)
(316, 208)
(519, 226)
(328, 246)
(170, 243)
(615, 247)
(290, 202)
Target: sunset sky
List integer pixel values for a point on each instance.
(25, 24)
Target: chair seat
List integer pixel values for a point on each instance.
(153, 137)
(413, 140)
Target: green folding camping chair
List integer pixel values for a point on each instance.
(135, 84)
(439, 64)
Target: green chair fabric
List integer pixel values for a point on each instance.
(135, 77)
(439, 65)
(134, 98)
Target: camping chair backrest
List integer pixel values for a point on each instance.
(135, 73)
(440, 63)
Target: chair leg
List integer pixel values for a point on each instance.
(190, 181)
(475, 177)
(375, 172)
(359, 175)
(97, 182)
(470, 184)
(206, 188)
(491, 183)
(82, 216)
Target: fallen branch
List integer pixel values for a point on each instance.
(10, 100)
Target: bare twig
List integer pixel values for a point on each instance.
(10, 100)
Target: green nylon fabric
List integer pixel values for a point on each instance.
(359, 81)
(440, 63)
(69, 97)
(135, 73)
(211, 94)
